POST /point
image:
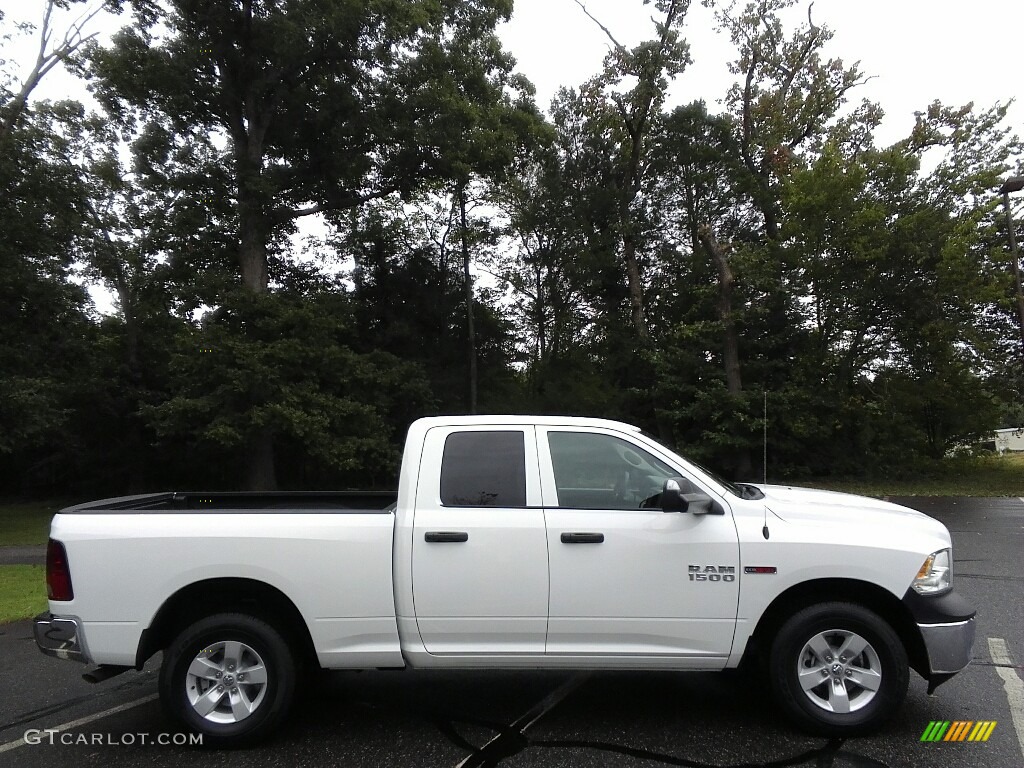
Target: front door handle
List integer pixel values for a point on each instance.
(582, 538)
(446, 536)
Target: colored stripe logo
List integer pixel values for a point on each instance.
(958, 730)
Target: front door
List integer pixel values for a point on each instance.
(480, 555)
(623, 578)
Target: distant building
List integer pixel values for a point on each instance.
(1011, 439)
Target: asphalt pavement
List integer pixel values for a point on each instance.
(23, 555)
(470, 719)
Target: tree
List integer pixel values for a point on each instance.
(159, 239)
(560, 209)
(324, 106)
(540, 229)
(332, 408)
(787, 98)
(722, 180)
(633, 114)
(897, 279)
(719, 290)
(14, 103)
(44, 325)
(406, 299)
(482, 136)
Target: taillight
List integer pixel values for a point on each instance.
(58, 575)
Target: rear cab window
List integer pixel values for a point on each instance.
(484, 469)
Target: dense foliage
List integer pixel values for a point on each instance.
(684, 268)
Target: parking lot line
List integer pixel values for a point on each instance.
(1012, 684)
(80, 721)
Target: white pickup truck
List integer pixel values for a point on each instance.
(513, 542)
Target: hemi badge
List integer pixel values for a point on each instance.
(760, 569)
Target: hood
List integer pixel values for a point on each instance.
(812, 506)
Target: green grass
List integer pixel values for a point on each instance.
(26, 524)
(22, 592)
(980, 476)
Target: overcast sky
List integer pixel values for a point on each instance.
(917, 50)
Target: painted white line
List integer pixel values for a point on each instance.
(80, 721)
(1012, 684)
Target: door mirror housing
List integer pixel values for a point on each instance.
(674, 500)
(672, 497)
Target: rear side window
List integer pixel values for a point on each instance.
(484, 469)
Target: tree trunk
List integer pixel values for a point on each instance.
(730, 339)
(252, 253)
(131, 327)
(73, 39)
(471, 330)
(261, 474)
(771, 219)
(636, 288)
(132, 438)
(1015, 263)
(538, 374)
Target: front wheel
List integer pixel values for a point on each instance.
(229, 677)
(838, 669)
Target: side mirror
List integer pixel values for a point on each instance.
(702, 504)
(674, 500)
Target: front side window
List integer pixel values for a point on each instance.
(594, 471)
(484, 469)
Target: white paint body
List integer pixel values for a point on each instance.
(373, 593)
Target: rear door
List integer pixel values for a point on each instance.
(480, 555)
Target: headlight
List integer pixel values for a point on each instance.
(935, 576)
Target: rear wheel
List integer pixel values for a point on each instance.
(230, 677)
(838, 669)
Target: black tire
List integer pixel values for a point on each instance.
(243, 705)
(808, 644)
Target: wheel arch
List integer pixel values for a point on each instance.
(227, 595)
(863, 593)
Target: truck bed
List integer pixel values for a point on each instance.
(185, 501)
(328, 554)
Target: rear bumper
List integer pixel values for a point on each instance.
(60, 637)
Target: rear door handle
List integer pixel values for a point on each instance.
(446, 536)
(582, 538)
